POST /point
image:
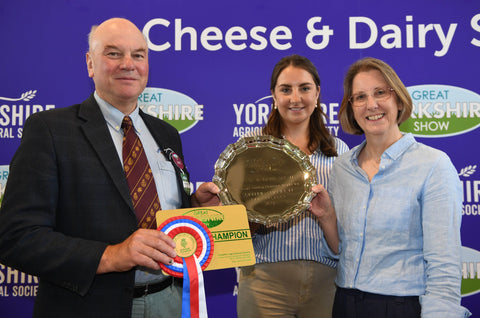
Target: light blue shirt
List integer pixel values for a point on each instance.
(162, 169)
(300, 238)
(400, 232)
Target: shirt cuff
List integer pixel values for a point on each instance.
(433, 307)
(327, 251)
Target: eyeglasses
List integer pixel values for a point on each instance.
(360, 99)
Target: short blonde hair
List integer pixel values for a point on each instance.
(404, 101)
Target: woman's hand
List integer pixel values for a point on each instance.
(322, 208)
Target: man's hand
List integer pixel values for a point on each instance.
(206, 195)
(142, 248)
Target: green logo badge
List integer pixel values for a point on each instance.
(442, 110)
(209, 217)
(470, 271)
(178, 109)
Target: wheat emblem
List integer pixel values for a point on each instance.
(27, 96)
(468, 171)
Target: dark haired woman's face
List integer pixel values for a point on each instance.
(295, 96)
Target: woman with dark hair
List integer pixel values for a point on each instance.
(294, 271)
(398, 205)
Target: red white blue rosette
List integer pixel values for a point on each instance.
(196, 228)
(194, 252)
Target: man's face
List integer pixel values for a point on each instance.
(118, 63)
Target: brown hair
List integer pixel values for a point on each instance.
(345, 115)
(319, 136)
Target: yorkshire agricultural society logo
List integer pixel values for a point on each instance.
(251, 117)
(178, 109)
(15, 110)
(442, 111)
(470, 209)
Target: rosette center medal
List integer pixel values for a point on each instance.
(186, 244)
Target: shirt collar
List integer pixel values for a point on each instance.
(113, 116)
(393, 152)
(398, 148)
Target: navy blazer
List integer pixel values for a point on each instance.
(66, 199)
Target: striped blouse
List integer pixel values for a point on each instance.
(301, 237)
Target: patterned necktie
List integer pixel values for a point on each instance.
(139, 177)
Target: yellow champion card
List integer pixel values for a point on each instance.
(230, 232)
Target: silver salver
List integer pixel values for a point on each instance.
(270, 176)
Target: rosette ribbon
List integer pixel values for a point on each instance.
(194, 252)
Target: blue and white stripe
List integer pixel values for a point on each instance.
(300, 238)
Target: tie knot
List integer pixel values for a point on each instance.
(126, 123)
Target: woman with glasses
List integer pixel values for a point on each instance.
(398, 205)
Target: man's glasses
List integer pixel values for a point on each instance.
(360, 99)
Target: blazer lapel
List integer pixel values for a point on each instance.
(96, 131)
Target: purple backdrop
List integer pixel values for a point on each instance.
(210, 64)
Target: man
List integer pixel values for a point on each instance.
(67, 214)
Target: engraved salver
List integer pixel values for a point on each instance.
(270, 176)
